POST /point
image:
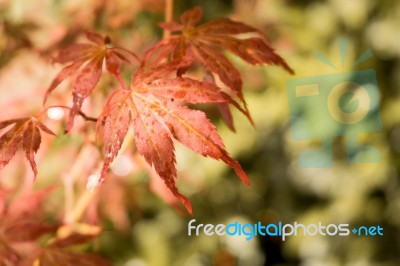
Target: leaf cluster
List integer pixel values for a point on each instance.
(155, 103)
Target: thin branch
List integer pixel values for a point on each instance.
(169, 13)
(87, 118)
(82, 114)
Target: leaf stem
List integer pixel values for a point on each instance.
(82, 114)
(87, 118)
(69, 180)
(169, 13)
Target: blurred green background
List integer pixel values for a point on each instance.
(280, 190)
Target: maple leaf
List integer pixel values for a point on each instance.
(154, 106)
(20, 223)
(57, 253)
(85, 62)
(205, 44)
(25, 134)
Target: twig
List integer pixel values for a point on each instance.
(87, 118)
(82, 114)
(169, 13)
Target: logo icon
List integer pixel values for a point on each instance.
(340, 104)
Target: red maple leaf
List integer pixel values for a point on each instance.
(25, 134)
(85, 62)
(205, 43)
(154, 107)
(20, 223)
(58, 253)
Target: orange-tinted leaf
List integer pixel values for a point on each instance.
(191, 17)
(65, 73)
(72, 240)
(85, 62)
(226, 26)
(120, 51)
(8, 256)
(188, 90)
(25, 133)
(161, 51)
(21, 223)
(6, 123)
(182, 88)
(113, 64)
(116, 124)
(172, 26)
(226, 115)
(27, 205)
(253, 50)
(154, 143)
(217, 63)
(88, 78)
(44, 128)
(205, 43)
(2, 205)
(95, 37)
(31, 143)
(27, 261)
(9, 144)
(153, 140)
(84, 85)
(73, 53)
(52, 257)
(122, 57)
(27, 231)
(223, 108)
(194, 130)
(57, 252)
(162, 71)
(155, 103)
